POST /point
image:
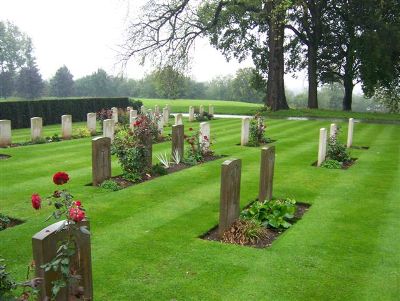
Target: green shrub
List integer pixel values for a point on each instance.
(4, 221)
(158, 170)
(257, 131)
(203, 117)
(110, 185)
(331, 164)
(81, 132)
(337, 151)
(244, 232)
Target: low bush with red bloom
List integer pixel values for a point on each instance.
(60, 178)
(36, 201)
(76, 214)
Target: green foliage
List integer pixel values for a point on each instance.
(273, 213)
(244, 232)
(81, 132)
(197, 150)
(257, 131)
(7, 284)
(20, 112)
(158, 170)
(4, 221)
(62, 84)
(29, 82)
(331, 164)
(337, 151)
(53, 138)
(110, 185)
(203, 117)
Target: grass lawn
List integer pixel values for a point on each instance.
(145, 243)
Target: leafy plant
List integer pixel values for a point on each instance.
(176, 156)
(244, 232)
(257, 131)
(337, 151)
(198, 148)
(273, 213)
(81, 132)
(203, 116)
(110, 185)
(158, 170)
(102, 115)
(54, 138)
(4, 221)
(163, 158)
(331, 164)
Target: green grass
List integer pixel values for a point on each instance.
(145, 243)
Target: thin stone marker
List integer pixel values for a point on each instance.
(128, 109)
(156, 109)
(229, 209)
(101, 160)
(178, 119)
(244, 139)
(109, 129)
(143, 110)
(66, 126)
(45, 244)
(322, 146)
(91, 123)
(132, 117)
(5, 133)
(204, 135)
(36, 128)
(333, 130)
(211, 109)
(191, 113)
(160, 126)
(266, 173)
(350, 133)
(201, 110)
(165, 115)
(114, 114)
(178, 139)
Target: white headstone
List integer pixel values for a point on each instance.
(66, 126)
(91, 123)
(128, 109)
(165, 115)
(244, 139)
(350, 133)
(333, 130)
(132, 117)
(156, 109)
(204, 135)
(5, 133)
(169, 109)
(201, 110)
(114, 114)
(178, 119)
(143, 110)
(36, 128)
(160, 124)
(211, 109)
(109, 128)
(322, 146)
(191, 113)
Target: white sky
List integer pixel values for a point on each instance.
(84, 35)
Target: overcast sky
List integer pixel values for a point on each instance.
(84, 35)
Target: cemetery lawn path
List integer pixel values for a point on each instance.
(145, 243)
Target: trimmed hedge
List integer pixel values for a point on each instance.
(20, 112)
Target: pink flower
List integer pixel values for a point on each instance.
(60, 178)
(77, 203)
(205, 138)
(76, 214)
(36, 201)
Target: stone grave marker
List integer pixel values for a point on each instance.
(211, 109)
(244, 138)
(109, 128)
(165, 115)
(5, 133)
(44, 248)
(350, 133)
(91, 123)
(333, 130)
(178, 119)
(66, 126)
(114, 114)
(201, 110)
(322, 146)
(204, 135)
(143, 110)
(132, 117)
(191, 113)
(128, 109)
(156, 110)
(36, 128)
(160, 125)
(229, 209)
(266, 173)
(178, 139)
(101, 160)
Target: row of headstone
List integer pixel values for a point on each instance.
(201, 111)
(322, 146)
(230, 187)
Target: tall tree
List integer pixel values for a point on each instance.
(169, 83)
(62, 84)
(167, 31)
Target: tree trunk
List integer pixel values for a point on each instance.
(312, 77)
(348, 94)
(276, 98)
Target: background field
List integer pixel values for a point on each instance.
(145, 243)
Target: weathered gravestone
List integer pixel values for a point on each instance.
(45, 245)
(128, 109)
(91, 123)
(5, 133)
(266, 173)
(109, 128)
(211, 109)
(160, 125)
(322, 146)
(101, 160)
(66, 126)
(114, 114)
(191, 113)
(178, 140)
(229, 209)
(36, 128)
(143, 110)
(333, 131)
(165, 115)
(156, 110)
(204, 135)
(201, 110)
(244, 139)
(178, 119)
(132, 117)
(350, 133)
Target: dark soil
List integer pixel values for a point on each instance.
(123, 183)
(3, 156)
(346, 165)
(13, 222)
(262, 144)
(360, 147)
(270, 234)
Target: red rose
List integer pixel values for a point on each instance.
(76, 214)
(36, 201)
(60, 178)
(205, 138)
(78, 203)
(190, 129)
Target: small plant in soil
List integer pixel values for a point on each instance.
(337, 155)
(198, 149)
(81, 132)
(257, 131)
(245, 232)
(203, 116)
(331, 164)
(4, 221)
(110, 185)
(102, 115)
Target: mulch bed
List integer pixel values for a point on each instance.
(346, 165)
(123, 183)
(3, 156)
(13, 222)
(271, 234)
